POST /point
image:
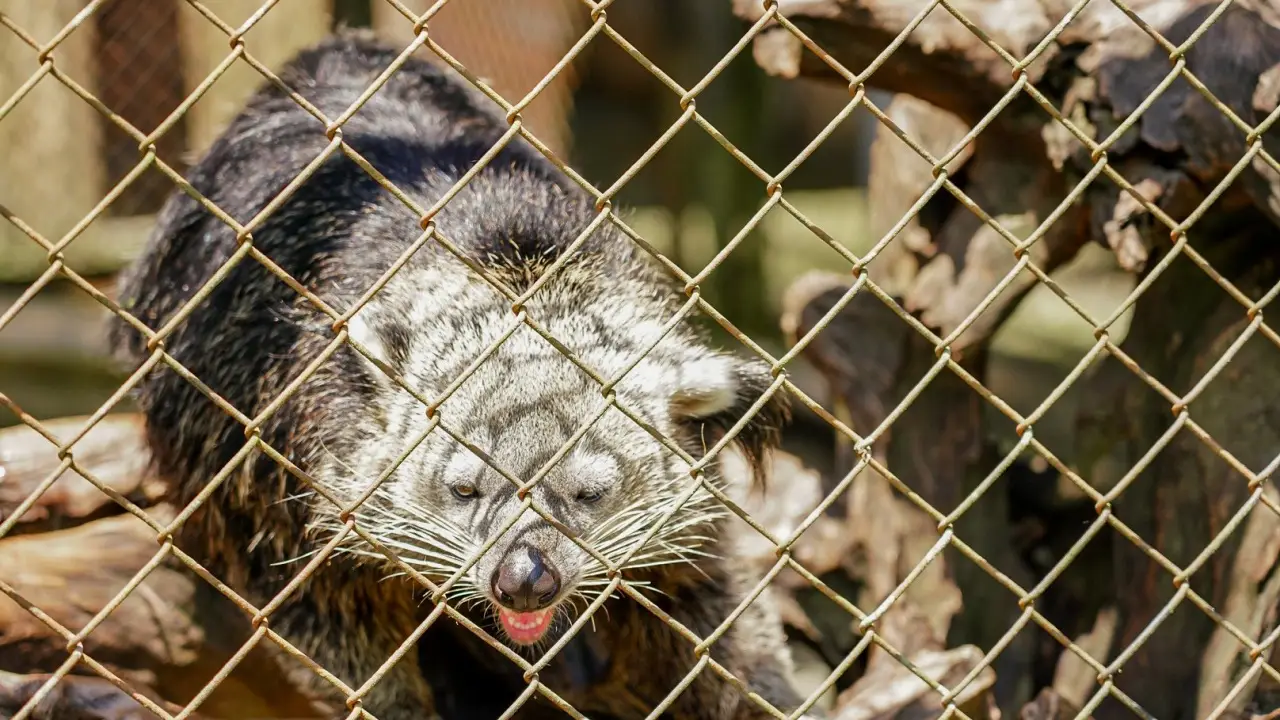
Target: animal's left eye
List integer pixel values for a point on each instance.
(589, 496)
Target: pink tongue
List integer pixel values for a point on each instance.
(525, 627)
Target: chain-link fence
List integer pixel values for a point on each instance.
(44, 47)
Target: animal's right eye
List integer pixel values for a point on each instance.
(464, 491)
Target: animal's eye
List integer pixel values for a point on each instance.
(589, 496)
(464, 491)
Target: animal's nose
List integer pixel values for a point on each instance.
(526, 583)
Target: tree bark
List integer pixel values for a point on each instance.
(1023, 164)
(944, 263)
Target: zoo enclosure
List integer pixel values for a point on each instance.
(865, 441)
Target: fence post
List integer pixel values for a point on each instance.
(51, 172)
(285, 29)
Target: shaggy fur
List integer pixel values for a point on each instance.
(348, 423)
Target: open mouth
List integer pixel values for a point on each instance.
(525, 628)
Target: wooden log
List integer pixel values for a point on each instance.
(1048, 705)
(1189, 491)
(74, 697)
(871, 359)
(1101, 67)
(1252, 600)
(958, 259)
(1181, 499)
(1074, 680)
(166, 638)
(113, 451)
(889, 199)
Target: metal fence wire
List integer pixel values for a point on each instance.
(508, 43)
(45, 68)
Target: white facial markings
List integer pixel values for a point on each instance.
(520, 405)
(463, 466)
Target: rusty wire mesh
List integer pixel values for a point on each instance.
(44, 54)
(139, 76)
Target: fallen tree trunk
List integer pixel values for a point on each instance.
(1171, 503)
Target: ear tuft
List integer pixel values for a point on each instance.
(706, 387)
(387, 342)
(360, 330)
(714, 394)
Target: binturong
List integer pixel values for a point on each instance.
(271, 410)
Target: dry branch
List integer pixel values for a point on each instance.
(874, 538)
(1049, 705)
(872, 360)
(895, 692)
(1074, 680)
(1253, 597)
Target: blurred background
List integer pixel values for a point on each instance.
(142, 58)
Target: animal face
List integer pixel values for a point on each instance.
(606, 490)
(529, 427)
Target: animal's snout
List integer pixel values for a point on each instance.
(526, 581)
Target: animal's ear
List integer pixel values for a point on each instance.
(384, 339)
(713, 394)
